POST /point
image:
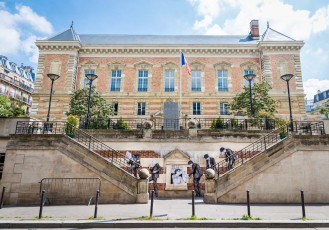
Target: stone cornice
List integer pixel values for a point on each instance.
(280, 46)
(58, 45)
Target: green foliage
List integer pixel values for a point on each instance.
(217, 123)
(121, 124)
(282, 124)
(10, 107)
(246, 217)
(234, 123)
(325, 109)
(73, 122)
(196, 218)
(99, 108)
(260, 99)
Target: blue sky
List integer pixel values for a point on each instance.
(22, 22)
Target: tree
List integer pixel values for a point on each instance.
(260, 99)
(325, 108)
(99, 108)
(10, 107)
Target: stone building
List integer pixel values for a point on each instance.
(139, 73)
(17, 82)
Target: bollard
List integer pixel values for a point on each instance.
(248, 203)
(151, 209)
(303, 203)
(96, 204)
(2, 195)
(193, 208)
(41, 203)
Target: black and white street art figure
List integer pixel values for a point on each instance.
(178, 176)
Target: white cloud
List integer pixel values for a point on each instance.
(298, 24)
(311, 86)
(39, 23)
(21, 29)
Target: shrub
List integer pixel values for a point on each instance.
(217, 123)
(72, 124)
(121, 124)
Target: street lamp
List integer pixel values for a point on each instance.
(52, 77)
(287, 78)
(249, 78)
(90, 77)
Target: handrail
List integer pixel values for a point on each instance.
(263, 143)
(85, 139)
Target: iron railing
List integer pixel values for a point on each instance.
(85, 139)
(268, 140)
(182, 123)
(70, 188)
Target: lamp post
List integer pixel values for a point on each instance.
(287, 78)
(249, 78)
(90, 77)
(52, 77)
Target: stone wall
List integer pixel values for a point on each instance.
(31, 158)
(279, 174)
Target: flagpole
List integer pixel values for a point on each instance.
(180, 85)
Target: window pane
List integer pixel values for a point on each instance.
(196, 81)
(142, 80)
(196, 108)
(115, 107)
(224, 108)
(141, 108)
(116, 80)
(169, 81)
(222, 80)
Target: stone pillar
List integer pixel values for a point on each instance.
(142, 192)
(210, 191)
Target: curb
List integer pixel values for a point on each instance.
(166, 224)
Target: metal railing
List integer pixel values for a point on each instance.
(85, 139)
(69, 188)
(182, 123)
(259, 146)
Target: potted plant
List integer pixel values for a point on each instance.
(72, 124)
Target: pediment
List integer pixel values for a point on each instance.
(143, 65)
(177, 154)
(170, 65)
(222, 65)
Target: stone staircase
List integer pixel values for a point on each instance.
(57, 155)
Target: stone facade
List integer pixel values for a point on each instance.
(266, 57)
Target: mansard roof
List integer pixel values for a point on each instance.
(273, 35)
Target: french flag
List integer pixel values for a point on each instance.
(184, 62)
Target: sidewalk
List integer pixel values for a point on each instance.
(168, 212)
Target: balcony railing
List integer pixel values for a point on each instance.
(16, 83)
(183, 123)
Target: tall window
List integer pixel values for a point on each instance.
(86, 80)
(196, 80)
(169, 81)
(115, 81)
(141, 108)
(115, 108)
(223, 110)
(142, 80)
(246, 82)
(222, 80)
(196, 108)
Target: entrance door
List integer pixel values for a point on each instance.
(170, 116)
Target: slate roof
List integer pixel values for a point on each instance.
(67, 35)
(273, 35)
(122, 39)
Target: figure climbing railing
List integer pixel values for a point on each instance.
(268, 140)
(85, 139)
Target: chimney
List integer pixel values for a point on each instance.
(254, 29)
